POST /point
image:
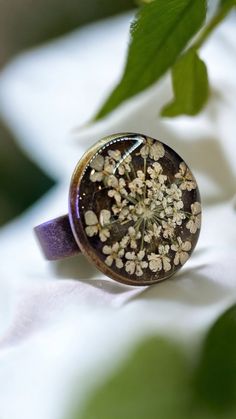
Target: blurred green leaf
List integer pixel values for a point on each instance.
(25, 23)
(21, 181)
(190, 86)
(215, 380)
(153, 383)
(229, 3)
(158, 381)
(159, 33)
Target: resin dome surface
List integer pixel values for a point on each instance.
(135, 208)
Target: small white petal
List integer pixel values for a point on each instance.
(186, 246)
(183, 257)
(106, 250)
(130, 267)
(96, 176)
(119, 263)
(196, 208)
(90, 218)
(97, 163)
(109, 260)
(104, 217)
(91, 231)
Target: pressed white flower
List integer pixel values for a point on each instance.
(124, 165)
(159, 261)
(114, 254)
(178, 205)
(112, 181)
(155, 172)
(119, 190)
(134, 236)
(117, 207)
(101, 168)
(153, 149)
(104, 217)
(91, 221)
(186, 178)
(181, 248)
(131, 238)
(113, 193)
(126, 213)
(174, 191)
(178, 215)
(138, 184)
(97, 163)
(194, 222)
(109, 165)
(155, 194)
(94, 227)
(115, 154)
(152, 232)
(104, 220)
(168, 229)
(165, 208)
(163, 252)
(135, 263)
(125, 241)
(156, 151)
(155, 262)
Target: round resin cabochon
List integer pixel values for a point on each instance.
(134, 208)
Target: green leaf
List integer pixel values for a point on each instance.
(153, 383)
(229, 3)
(159, 34)
(190, 85)
(157, 380)
(215, 381)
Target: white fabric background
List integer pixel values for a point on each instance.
(65, 323)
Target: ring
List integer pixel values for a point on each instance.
(134, 211)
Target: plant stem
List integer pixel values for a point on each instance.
(145, 172)
(214, 22)
(143, 231)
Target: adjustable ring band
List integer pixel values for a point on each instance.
(56, 238)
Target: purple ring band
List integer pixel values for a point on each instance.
(56, 238)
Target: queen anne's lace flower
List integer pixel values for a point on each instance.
(95, 227)
(131, 238)
(135, 263)
(115, 155)
(159, 261)
(115, 254)
(119, 190)
(102, 167)
(124, 166)
(152, 232)
(168, 228)
(97, 165)
(181, 248)
(194, 222)
(174, 192)
(154, 150)
(147, 211)
(138, 184)
(155, 172)
(186, 178)
(91, 221)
